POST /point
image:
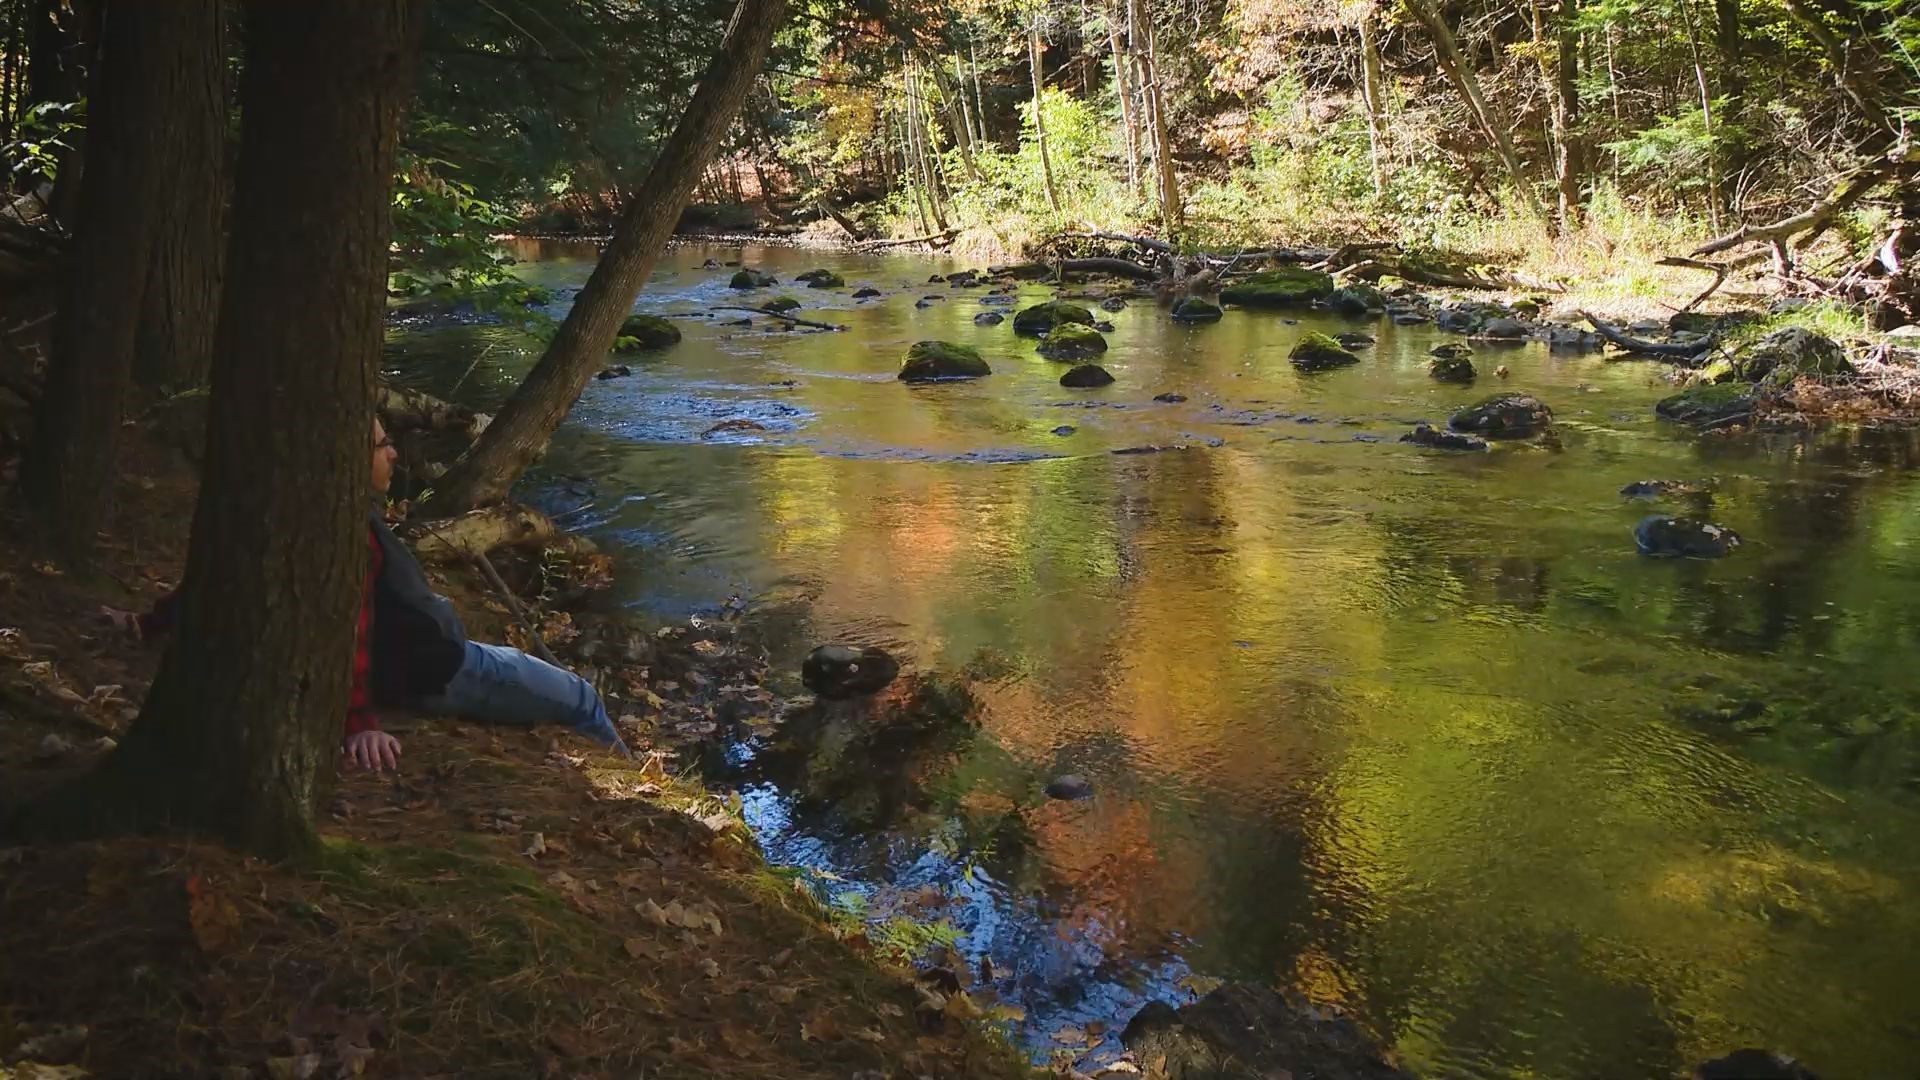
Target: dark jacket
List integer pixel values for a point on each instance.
(418, 642)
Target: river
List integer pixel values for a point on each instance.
(1415, 735)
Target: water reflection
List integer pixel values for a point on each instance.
(1419, 735)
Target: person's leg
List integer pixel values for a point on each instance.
(500, 685)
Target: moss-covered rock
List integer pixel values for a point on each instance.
(1041, 318)
(1790, 353)
(1318, 352)
(822, 279)
(1504, 416)
(1195, 310)
(645, 332)
(1429, 436)
(1087, 377)
(1357, 299)
(937, 361)
(1291, 287)
(750, 279)
(782, 303)
(1071, 341)
(1453, 367)
(1708, 404)
(1683, 538)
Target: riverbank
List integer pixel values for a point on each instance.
(507, 904)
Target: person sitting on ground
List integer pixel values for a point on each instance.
(417, 655)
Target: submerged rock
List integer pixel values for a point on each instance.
(1072, 341)
(1087, 377)
(1318, 352)
(1451, 367)
(989, 318)
(1113, 303)
(866, 292)
(1708, 405)
(1065, 429)
(1753, 1064)
(1352, 340)
(937, 361)
(782, 303)
(1790, 353)
(1242, 1032)
(617, 372)
(1041, 318)
(1438, 439)
(1357, 300)
(1195, 310)
(1654, 489)
(1503, 330)
(1504, 416)
(751, 279)
(1103, 326)
(841, 671)
(1170, 398)
(1069, 786)
(1683, 538)
(822, 279)
(1290, 287)
(645, 332)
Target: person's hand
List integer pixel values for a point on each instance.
(124, 622)
(372, 750)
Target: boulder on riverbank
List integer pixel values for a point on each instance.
(1284, 288)
(1087, 377)
(645, 332)
(1318, 352)
(1357, 300)
(1708, 405)
(1042, 318)
(837, 672)
(750, 279)
(1195, 310)
(1241, 1032)
(1504, 416)
(1072, 341)
(1790, 353)
(939, 361)
(1683, 538)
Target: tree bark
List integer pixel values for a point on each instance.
(1129, 119)
(1495, 126)
(1559, 60)
(1716, 193)
(244, 716)
(952, 96)
(1039, 114)
(516, 435)
(1373, 96)
(137, 93)
(1171, 211)
(1729, 45)
(173, 344)
(979, 96)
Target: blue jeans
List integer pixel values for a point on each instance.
(499, 685)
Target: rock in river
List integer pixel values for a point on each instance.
(1353, 340)
(1504, 416)
(1683, 538)
(1241, 1032)
(841, 671)
(1318, 352)
(1357, 299)
(1041, 318)
(1072, 341)
(645, 332)
(1708, 406)
(1753, 1064)
(1500, 329)
(989, 318)
(1789, 353)
(1430, 436)
(1170, 398)
(782, 303)
(1654, 489)
(751, 279)
(1087, 377)
(1113, 303)
(937, 361)
(865, 292)
(1452, 350)
(1451, 367)
(1279, 289)
(1195, 310)
(822, 279)
(1069, 786)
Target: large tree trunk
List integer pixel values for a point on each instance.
(244, 715)
(1729, 45)
(514, 438)
(1039, 114)
(137, 94)
(1171, 211)
(173, 345)
(1491, 123)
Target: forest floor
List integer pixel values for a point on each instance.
(506, 904)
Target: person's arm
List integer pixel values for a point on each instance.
(362, 741)
(145, 626)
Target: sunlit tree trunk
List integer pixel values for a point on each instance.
(1123, 89)
(1168, 180)
(1373, 96)
(954, 101)
(1491, 122)
(244, 716)
(1716, 197)
(486, 472)
(979, 96)
(1039, 113)
(1556, 56)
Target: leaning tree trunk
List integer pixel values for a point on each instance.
(142, 84)
(1039, 115)
(514, 438)
(1495, 126)
(244, 715)
(173, 345)
(1170, 208)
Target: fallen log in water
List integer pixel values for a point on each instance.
(483, 530)
(795, 319)
(1680, 351)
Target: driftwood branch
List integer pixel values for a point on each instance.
(1646, 348)
(1126, 268)
(794, 319)
(931, 238)
(1147, 242)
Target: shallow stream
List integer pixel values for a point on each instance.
(1411, 733)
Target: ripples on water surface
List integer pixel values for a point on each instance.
(1414, 734)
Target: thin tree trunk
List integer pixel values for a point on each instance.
(173, 346)
(1170, 208)
(523, 426)
(1729, 45)
(1122, 88)
(979, 96)
(1557, 73)
(137, 94)
(1495, 126)
(1373, 97)
(244, 717)
(910, 141)
(1716, 197)
(958, 82)
(1039, 117)
(955, 102)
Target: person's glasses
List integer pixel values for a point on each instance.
(385, 443)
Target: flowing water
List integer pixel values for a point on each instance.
(1412, 734)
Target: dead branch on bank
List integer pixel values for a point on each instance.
(1676, 350)
(938, 239)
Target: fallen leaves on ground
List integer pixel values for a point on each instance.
(212, 916)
